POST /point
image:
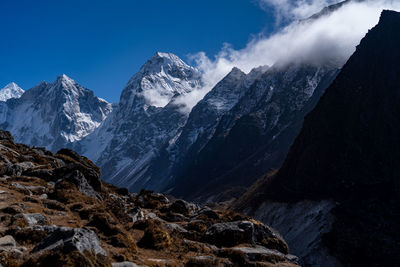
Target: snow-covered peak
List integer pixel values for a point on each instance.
(161, 78)
(11, 90)
(65, 82)
(54, 114)
(166, 64)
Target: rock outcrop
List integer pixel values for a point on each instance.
(56, 211)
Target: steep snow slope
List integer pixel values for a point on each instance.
(11, 90)
(145, 120)
(53, 115)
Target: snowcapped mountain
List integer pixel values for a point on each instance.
(11, 90)
(146, 119)
(53, 115)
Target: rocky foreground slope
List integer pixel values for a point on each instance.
(55, 211)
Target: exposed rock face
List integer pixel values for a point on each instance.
(69, 239)
(55, 211)
(346, 152)
(254, 136)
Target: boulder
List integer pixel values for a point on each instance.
(82, 164)
(6, 136)
(7, 243)
(260, 253)
(150, 200)
(244, 232)
(183, 207)
(71, 239)
(13, 209)
(32, 218)
(124, 264)
(207, 212)
(77, 178)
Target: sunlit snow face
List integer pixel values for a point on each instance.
(330, 39)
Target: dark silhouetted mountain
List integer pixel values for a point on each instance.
(347, 153)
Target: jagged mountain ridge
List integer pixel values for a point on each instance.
(53, 115)
(345, 155)
(11, 90)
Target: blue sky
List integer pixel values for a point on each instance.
(102, 43)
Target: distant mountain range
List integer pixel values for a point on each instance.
(241, 129)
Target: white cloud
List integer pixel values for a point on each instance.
(330, 39)
(290, 10)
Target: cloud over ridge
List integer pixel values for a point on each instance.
(328, 39)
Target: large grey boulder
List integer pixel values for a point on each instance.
(240, 232)
(259, 253)
(71, 239)
(76, 177)
(7, 243)
(125, 264)
(32, 218)
(183, 207)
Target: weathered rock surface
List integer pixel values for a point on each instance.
(69, 239)
(56, 211)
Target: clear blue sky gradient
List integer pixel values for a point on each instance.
(102, 43)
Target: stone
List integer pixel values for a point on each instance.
(124, 264)
(12, 210)
(209, 213)
(183, 207)
(11, 169)
(137, 214)
(240, 232)
(173, 227)
(7, 243)
(33, 218)
(77, 178)
(174, 217)
(260, 253)
(36, 189)
(71, 239)
(21, 188)
(6, 136)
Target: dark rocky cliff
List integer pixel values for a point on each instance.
(348, 152)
